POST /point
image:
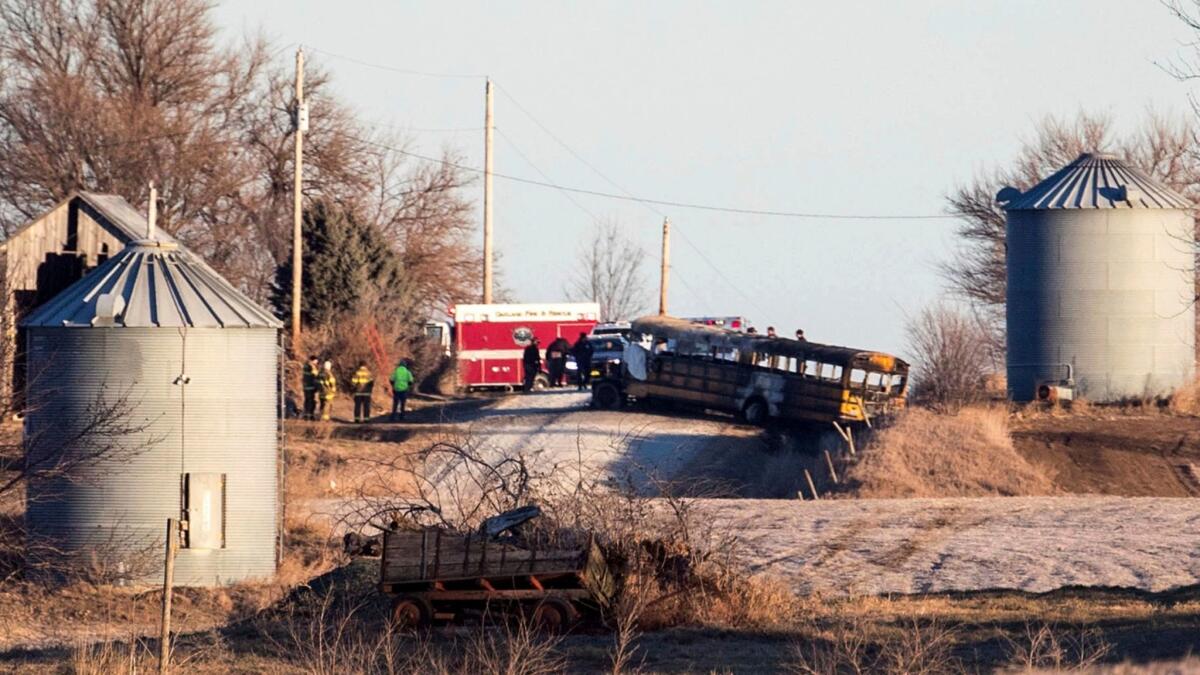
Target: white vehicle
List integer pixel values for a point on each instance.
(621, 328)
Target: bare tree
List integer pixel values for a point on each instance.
(39, 466)
(952, 357)
(108, 95)
(609, 270)
(1163, 147)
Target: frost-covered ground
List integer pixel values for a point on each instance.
(860, 546)
(1036, 544)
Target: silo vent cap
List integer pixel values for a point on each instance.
(1007, 194)
(108, 307)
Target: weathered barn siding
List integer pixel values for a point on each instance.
(53, 251)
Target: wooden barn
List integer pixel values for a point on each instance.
(56, 249)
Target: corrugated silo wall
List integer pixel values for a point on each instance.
(1108, 291)
(116, 510)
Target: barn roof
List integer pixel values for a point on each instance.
(127, 223)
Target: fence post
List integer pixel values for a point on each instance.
(811, 485)
(832, 471)
(164, 643)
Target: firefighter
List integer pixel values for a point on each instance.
(531, 361)
(556, 360)
(312, 375)
(327, 382)
(402, 381)
(363, 383)
(582, 349)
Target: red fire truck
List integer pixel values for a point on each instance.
(490, 339)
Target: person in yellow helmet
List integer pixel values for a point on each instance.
(328, 385)
(363, 384)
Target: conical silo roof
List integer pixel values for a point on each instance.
(1095, 181)
(152, 282)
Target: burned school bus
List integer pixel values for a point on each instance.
(755, 376)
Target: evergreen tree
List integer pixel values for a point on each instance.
(348, 268)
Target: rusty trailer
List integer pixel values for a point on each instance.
(434, 575)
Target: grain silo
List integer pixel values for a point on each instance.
(158, 364)
(1100, 283)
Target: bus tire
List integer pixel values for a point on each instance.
(607, 396)
(755, 412)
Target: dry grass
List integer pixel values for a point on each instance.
(1047, 647)
(1186, 399)
(929, 455)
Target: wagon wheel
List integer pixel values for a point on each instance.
(409, 612)
(554, 616)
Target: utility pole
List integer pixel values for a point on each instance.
(300, 126)
(665, 273)
(488, 127)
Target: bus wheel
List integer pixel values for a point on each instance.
(606, 396)
(755, 412)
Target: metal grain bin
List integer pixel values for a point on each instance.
(192, 365)
(1100, 283)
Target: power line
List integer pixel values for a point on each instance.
(595, 218)
(644, 200)
(393, 69)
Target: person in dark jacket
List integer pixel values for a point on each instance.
(364, 384)
(582, 349)
(556, 360)
(531, 360)
(312, 375)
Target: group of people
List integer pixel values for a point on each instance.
(556, 361)
(771, 332)
(320, 386)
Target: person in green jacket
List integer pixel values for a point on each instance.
(312, 374)
(402, 381)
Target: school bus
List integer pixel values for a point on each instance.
(756, 377)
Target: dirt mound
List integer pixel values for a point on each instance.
(1114, 451)
(928, 455)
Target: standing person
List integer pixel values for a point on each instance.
(363, 383)
(402, 381)
(583, 359)
(556, 360)
(531, 361)
(328, 385)
(312, 377)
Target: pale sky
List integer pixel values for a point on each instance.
(852, 107)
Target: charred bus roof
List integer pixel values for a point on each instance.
(721, 338)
